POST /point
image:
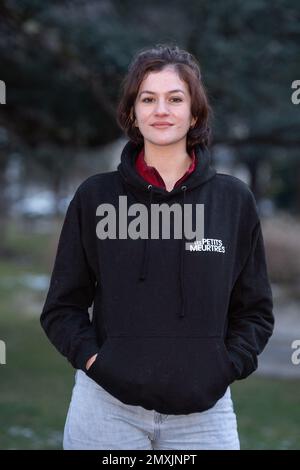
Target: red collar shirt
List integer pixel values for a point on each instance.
(150, 173)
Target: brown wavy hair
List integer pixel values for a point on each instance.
(188, 69)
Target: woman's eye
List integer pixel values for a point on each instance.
(175, 98)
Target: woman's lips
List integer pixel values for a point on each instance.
(162, 126)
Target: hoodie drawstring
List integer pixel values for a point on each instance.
(144, 265)
(182, 246)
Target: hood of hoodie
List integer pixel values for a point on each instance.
(202, 173)
(149, 193)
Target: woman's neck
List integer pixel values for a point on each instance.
(171, 163)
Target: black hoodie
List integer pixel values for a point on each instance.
(172, 327)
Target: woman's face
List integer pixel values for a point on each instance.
(163, 105)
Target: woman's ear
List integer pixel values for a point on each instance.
(133, 118)
(193, 123)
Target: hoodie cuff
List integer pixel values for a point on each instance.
(245, 364)
(236, 360)
(87, 350)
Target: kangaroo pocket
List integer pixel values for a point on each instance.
(172, 375)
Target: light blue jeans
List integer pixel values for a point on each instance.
(98, 420)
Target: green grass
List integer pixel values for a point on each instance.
(31, 250)
(36, 382)
(268, 412)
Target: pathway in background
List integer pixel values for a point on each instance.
(276, 359)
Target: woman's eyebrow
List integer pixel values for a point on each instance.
(153, 93)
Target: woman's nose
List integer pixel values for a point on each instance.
(161, 107)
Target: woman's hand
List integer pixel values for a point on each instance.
(90, 361)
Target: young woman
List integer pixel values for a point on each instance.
(171, 255)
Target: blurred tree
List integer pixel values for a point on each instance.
(69, 57)
(5, 149)
(249, 52)
(286, 177)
